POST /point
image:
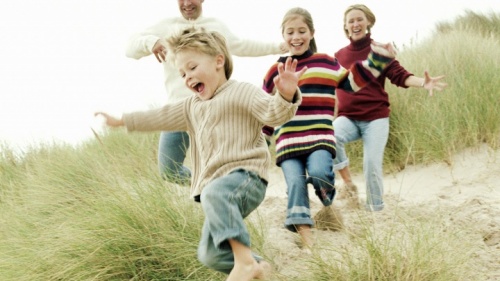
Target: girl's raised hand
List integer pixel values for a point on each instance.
(287, 79)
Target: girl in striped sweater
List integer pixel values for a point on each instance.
(305, 145)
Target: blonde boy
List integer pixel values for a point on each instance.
(224, 119)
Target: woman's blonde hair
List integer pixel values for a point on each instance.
(306, 16)
(198, 39)
(368, 13)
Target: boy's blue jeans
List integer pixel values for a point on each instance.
(171, 155)
(226, 201)
(315, 168)
(374, 135)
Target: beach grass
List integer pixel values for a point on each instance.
(100, 211)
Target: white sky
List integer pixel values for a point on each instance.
(61, 60)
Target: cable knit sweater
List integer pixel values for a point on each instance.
(225, 131)
(371, 102)
(141, 45)
(311, 128)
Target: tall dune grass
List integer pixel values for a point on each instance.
(100, 211)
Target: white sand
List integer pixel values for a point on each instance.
(466, 193)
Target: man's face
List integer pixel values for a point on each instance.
(190, 9)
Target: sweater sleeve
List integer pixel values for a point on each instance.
(246, 47)
(275, 110)
(171, 117)
(141, 44)
(397, 74)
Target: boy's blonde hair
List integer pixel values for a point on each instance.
(198, 39)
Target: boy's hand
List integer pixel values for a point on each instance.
(110, 120)
(287, 80)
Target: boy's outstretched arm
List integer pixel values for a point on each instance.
(110, 120)
(287, 79)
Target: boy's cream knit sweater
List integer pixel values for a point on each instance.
(225, 131)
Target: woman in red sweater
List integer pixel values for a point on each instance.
(365, 115)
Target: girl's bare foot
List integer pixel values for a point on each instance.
(306, 235)
(352, 196)
(348, 191)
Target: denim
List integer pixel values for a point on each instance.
(374, 135)
(226, 202)
(171, 155)
(315, 168)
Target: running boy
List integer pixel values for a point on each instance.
(224, 119)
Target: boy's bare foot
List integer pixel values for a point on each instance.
(258, 270)
(262, 270)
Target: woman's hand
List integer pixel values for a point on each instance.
(431, 83)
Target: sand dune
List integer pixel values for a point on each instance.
(466, 193)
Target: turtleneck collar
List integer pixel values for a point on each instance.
(191, 20)
(305, 55)
(360, 44)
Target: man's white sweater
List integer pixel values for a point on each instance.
(141, 45)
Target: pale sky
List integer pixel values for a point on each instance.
(61, 60)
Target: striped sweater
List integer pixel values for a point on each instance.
(225, 131)
(371, 102)
(311, 128)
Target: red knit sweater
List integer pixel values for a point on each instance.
(372, 101)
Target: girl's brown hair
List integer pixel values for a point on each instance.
(306, 16)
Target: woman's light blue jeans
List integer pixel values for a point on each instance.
(315, 168)
(226, 202)
(374, 135)
(171, 155)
